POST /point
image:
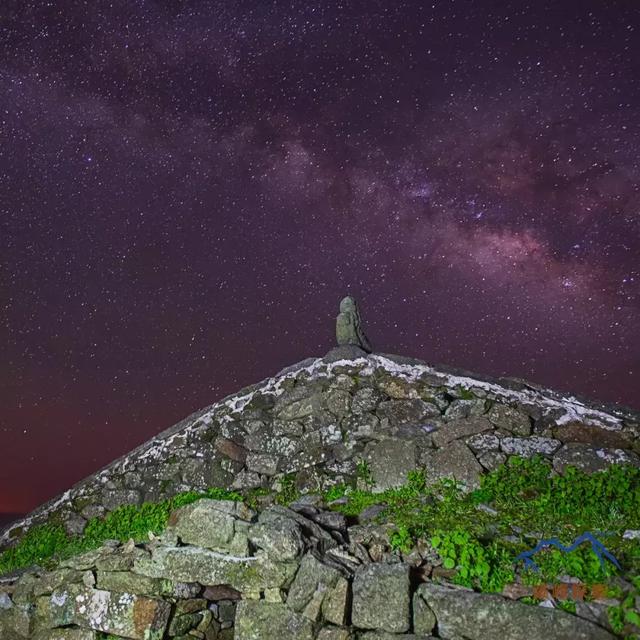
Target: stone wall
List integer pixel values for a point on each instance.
(316, 421)
(221, 571)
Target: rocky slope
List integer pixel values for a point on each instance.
(221, 569)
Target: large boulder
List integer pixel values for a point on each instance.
(476, 616)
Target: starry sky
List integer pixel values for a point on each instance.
(188, 188)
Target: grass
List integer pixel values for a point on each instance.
(44, 542)
(527, 503)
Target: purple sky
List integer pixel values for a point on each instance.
(187, 189)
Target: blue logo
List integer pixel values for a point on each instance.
(598, 548)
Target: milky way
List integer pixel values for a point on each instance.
(187, 189)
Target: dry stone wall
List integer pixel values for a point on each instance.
(221, 571)
(317, 421)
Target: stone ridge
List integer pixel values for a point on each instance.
(319, 418)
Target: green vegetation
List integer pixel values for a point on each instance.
(526, 503)
(41, 543)
(477, 535)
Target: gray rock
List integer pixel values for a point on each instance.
(263, 463)
(338, 402)
(349, 331)
(279, 537)
(193, 564)
(259, 620)
(455, 429)
(460, 409)
(483, 442)
(492, 460)
(590, 459)
(313, 580)
(74, 524)
(390, 460)
(477, 616)
(220, 525)
(410, 411)
(528, 447)
(424, 620)
(381, 597)
(334, 633)
(505, 417)
(344, 352)
(112, 499)
(456, 461)
(365, 400)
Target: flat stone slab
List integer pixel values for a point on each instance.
(193, 564)
(590, 459)
(456, 429)
(477, 616)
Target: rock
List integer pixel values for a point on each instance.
(390, 460)
(349, 331)
(221, 592)
(492, 460)
(477, 616)
(312, 582)
(411, 411)
(192, 564)
(259, 620)
(365, 400)
(334, 633)
(456, 461)
(483, 442)
(398, 388)
(67, 634)
(335, 605)
(74, 524)
(300, 409)
(456, 429)
(122, 614)
(113, 499)
(383, 635)
(592, 435)
(230, 449)
(338, 402)
(424, 620)
(381, 597)
(279, 537)
(510, 419)
(220, 525)
(461, 409)
(590, 460)
(528, 447)
(128, 582)
(263, 463)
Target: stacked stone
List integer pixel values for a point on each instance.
(222, 571)
(319, 420)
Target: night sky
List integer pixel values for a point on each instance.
(187, 189)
